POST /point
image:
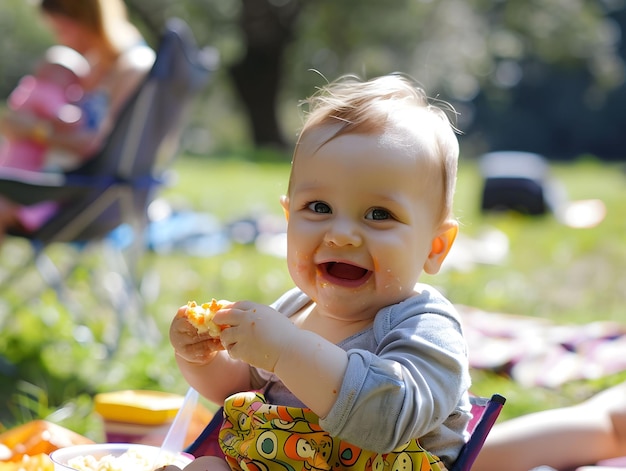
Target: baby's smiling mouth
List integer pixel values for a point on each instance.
(344, 273)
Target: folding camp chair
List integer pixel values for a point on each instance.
(113, 189)
(485, 411)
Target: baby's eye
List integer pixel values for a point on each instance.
(378, 214)
(319, 207)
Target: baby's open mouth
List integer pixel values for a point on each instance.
(344, 271)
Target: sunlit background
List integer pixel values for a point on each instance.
(538, 76)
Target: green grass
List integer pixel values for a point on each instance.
(51, 367)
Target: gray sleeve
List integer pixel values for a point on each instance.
(407, 388)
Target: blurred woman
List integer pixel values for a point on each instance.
(118, 58)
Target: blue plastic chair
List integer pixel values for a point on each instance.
(485, 412)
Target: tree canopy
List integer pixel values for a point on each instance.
(540, 75)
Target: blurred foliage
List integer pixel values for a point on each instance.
(23, 40)
(545, 76)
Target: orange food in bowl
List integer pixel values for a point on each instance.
(38, 462)
(39, 436)
(26, 447)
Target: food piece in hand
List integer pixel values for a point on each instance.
(201, 317)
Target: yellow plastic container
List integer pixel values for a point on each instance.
(137, 416)
(138, 407)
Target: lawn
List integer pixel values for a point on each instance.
(54, 355)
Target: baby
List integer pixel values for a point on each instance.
(52, 93)
(360, 366)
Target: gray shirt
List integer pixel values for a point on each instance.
(407, 377)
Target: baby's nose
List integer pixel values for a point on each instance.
(343, 232)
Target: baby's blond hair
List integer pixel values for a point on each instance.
(363, 107)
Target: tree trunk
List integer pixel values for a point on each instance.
(267, 29)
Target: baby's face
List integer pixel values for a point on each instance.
(363, 211)
(57, 74)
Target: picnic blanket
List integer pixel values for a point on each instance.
(538, 352)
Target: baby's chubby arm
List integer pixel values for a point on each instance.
(204, 363)
(310, 366)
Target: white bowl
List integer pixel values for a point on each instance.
(62, 456)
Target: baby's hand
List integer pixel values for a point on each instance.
(202, 463)
(194, 347)
(255, 333)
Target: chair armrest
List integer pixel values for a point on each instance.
(27, 187)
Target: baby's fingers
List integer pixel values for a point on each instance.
(233, 313)
(182, 312)
(200, 352)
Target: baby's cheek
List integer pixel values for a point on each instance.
(299, 260)
(300, 267)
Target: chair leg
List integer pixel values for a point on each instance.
(52, 276)
(124, 295)
(112, 281)
(17, 274)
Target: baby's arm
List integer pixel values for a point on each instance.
(565, 437)
(412, 383)
(309, 365)
(560, 438)
(203, 362)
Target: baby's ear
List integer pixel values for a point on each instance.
(440, 246)
(284, 202)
